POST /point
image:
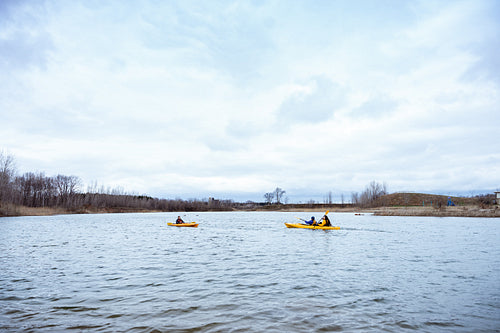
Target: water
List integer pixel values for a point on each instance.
(246, 272)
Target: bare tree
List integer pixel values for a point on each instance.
(278, 192)
(33, 189)
(355, 198)
(269, 197)
(375, 190)
(7, 175)
(67, 187)
(328, 198)
(371, 193)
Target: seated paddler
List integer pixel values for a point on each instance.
(325, 222)
(179, 220)
(312, 221)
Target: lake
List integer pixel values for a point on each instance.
(246, 272)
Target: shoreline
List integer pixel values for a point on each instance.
(456, 211)
(445, 211)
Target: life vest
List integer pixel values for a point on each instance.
(326, 222)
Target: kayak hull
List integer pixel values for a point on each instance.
(190, 224)
(307, 226)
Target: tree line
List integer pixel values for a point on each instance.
(35, 189)
(368, 198)
(38, 190)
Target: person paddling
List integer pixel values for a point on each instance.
(179, 220)
(312, 221)
(325, 222)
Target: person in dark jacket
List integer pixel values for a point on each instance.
(179, 220)
(325, 222)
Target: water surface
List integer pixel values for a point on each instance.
(246, 272)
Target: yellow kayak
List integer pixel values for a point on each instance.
(189, 224)
(307, 226)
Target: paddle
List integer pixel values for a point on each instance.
(301, 220)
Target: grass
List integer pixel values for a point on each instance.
(463, 211)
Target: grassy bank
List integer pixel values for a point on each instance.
(457, 211)
(464, 211)
(14, 210)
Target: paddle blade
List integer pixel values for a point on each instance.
(328, 211)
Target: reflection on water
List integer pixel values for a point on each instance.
(247, 272)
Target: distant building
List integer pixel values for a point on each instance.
(213, 202)
(497, 197)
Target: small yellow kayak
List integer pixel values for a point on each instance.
(307, 226)
(189, 224)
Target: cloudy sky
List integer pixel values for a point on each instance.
(231, 99)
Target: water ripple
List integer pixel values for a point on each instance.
(245, 272)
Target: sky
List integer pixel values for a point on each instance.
(231, 99)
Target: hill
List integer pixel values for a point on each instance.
(421, 199)
(421, 204)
